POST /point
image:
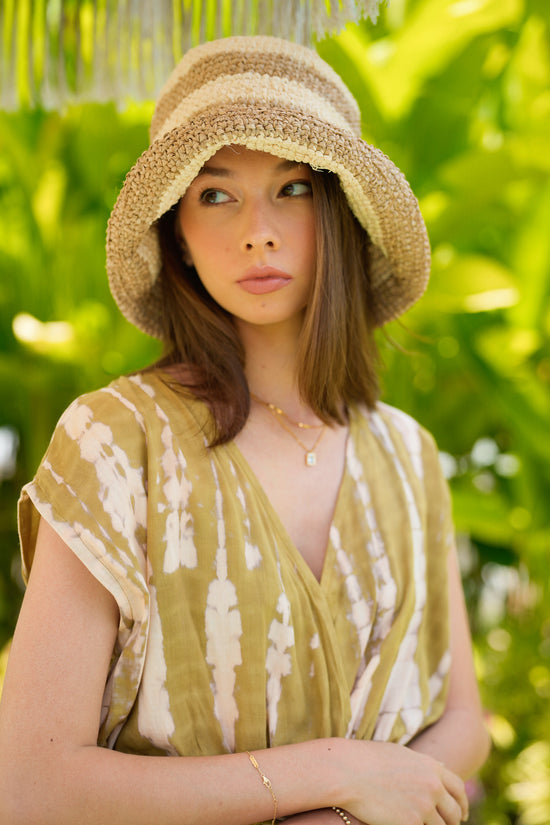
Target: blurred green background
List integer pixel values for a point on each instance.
(458, 94)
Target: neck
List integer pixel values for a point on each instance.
(271, 366)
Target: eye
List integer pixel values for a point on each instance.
(214, 196)
(296, 188)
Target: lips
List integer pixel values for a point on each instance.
(264, 279)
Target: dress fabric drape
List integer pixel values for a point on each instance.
(227, 641)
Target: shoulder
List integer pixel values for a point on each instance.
(129, 407)
(404, 442)
(127, 396)
(393, 426)
(113, 401)
(100, 419)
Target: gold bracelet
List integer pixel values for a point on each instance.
(343, 814)
(267, 782)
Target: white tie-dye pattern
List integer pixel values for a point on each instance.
(155, 721)
(386, 591)
(112, 572)
(360, 616)
(402, 697)
(409, 430)
(252, 555)
(223, 630)
(179, 532)
(125, 403)
(143, 385)
(61, 481)
(129, 593)
(121, 486)
(379, 575)
(437, 679)
(278, 663)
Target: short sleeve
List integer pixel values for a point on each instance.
(91, 487)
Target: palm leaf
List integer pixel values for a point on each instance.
(58, 51)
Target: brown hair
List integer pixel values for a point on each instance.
(337, 354)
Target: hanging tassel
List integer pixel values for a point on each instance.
(53, 52)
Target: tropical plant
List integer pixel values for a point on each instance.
(458, 93)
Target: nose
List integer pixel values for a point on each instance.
(259, 231)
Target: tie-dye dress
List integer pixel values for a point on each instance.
(227, 641)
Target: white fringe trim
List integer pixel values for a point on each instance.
(56, 52)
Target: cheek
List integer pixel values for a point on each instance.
(194, 241)
(208, 248)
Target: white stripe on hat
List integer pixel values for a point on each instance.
(253, 88)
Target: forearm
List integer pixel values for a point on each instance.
(95, 785)
(45, 783)
(459, 739)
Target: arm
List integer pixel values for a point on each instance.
(51, 770)
(459, 738)
(50, 767)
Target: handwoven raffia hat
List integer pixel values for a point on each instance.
(274, 96)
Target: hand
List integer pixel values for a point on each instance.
(393, 785)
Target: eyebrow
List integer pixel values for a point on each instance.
(223, 172)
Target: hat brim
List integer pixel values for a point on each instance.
(377, 192)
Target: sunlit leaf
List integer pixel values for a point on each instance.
(507, 348)
(395, 68)
(530, 785)
(531, 260)
(472, 283)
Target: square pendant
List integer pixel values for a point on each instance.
(311, 459)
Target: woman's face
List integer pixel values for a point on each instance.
(247, 223)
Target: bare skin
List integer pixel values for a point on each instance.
(49, 721)
(51, 770)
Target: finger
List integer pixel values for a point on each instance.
(435, 819)
(449, 810)
(455, 786)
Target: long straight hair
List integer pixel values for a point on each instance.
(337, 355)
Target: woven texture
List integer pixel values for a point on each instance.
(274, 96)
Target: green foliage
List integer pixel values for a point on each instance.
(458, 93)
(60, 331)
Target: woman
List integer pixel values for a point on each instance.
(239, 556)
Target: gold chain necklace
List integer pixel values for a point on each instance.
(277, 412)
(273, 408)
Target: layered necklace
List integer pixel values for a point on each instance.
(310, 456)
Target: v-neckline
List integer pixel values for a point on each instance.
(240, 458)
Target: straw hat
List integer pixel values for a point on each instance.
(273, 96)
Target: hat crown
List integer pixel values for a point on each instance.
(258, 70)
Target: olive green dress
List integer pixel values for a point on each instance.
(227, 641)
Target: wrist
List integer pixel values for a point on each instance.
(337, 777)
(344, 755)
(342, 814)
